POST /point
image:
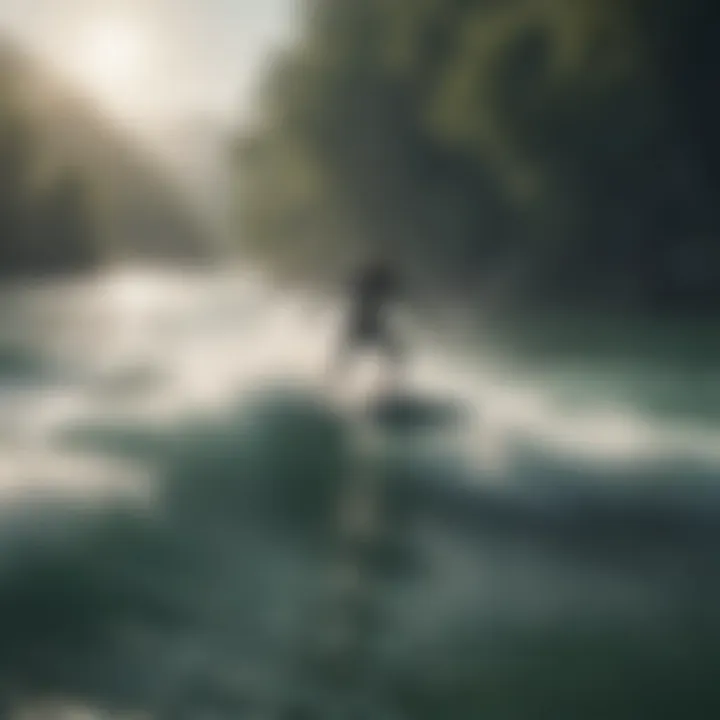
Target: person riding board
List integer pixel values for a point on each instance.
(374, 289)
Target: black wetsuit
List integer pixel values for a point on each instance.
(373, 290)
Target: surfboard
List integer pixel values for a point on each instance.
(405, 412)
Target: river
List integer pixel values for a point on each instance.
(166, 458)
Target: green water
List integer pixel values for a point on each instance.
(170, 488)
(667, 368)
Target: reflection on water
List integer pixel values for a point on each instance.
(169, 474)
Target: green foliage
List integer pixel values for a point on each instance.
(515, 151)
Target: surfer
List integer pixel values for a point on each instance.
(373, 291)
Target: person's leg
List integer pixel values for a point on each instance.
(350, 342)
(337, 366)
(391, 350)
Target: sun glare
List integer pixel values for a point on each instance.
(111, 56)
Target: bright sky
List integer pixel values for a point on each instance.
(155, 61)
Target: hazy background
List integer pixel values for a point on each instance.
(184, 189)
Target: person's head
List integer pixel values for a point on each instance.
(378, 261)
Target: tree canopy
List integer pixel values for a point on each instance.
(510, 151)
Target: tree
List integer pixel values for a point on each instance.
(534, 150)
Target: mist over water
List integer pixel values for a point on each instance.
(201, 518)
(169, 458)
